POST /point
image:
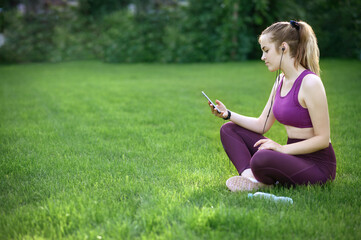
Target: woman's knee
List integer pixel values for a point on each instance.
(261, 163)
(261, 158)
(229, 128)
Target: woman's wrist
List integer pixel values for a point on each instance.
(282, 149)
(228, 115)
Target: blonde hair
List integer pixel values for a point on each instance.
(302, 41)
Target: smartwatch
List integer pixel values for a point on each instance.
(229, 115)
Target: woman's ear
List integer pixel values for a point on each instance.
(284, 46)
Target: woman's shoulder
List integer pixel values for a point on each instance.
(312, 84)
(312, 81)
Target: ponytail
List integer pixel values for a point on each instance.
(308, 53)
(302, 41)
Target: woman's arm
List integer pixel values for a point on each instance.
(257, 124)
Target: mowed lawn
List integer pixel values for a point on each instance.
(90, 150)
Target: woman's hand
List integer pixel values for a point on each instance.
(221, 107)
(269, 144)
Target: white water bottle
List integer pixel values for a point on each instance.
(271, 197)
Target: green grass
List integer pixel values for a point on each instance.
(100, 151)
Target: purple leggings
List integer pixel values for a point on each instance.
(269, 166)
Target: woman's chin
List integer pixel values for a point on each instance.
(271, 69)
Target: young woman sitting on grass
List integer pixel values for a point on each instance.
(298, 101)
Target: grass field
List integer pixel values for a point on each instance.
(100, 151)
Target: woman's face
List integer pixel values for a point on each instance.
(269, 54)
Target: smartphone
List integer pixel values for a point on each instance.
(214, 106)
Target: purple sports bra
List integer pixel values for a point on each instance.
(287, 110)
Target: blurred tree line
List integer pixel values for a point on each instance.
(166, 30)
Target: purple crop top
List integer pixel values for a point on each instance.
(287, 110)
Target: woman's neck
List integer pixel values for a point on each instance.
(290, 71)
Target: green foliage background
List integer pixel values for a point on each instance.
(158, 31)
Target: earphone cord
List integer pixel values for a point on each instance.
(278, 73)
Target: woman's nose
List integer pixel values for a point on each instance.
(263, 57)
